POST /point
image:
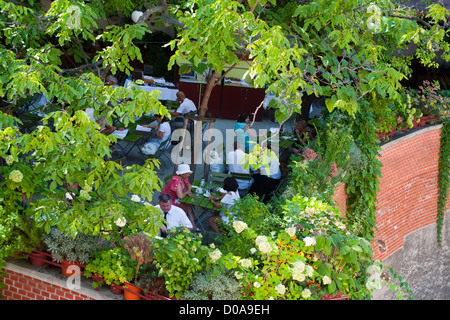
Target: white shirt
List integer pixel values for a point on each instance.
(176, 217)
(236, 161)
(165, 129)
(228, 200)
(274, 169)
(186, 106)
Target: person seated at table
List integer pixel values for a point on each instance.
(236, 161)
(111, 81)
(244, 132)
(229, 194)
(179, 187)
(303, 134)
(186, 106)
(174, 216)
(268, 178)
(104, 127)
(162, 133)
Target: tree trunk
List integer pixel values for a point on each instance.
(209, 87)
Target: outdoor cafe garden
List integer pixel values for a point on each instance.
(240, 213)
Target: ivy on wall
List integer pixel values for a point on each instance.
(443, 176)
(362, 184)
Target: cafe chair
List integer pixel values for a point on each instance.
(160, 152)
(243, 176)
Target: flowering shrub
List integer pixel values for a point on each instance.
(314, 256)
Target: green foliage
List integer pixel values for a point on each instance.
(114, 265)
(213, 286)
(179, 257)
(362, 183)
(313, 256)
(65, 247)
(443, 176)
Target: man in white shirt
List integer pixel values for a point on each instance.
(174, 216)
(186, 106)
(236, 161)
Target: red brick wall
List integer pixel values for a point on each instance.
(19, 286)
(341, 198)
(408, 195)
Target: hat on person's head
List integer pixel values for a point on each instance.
(183, 168)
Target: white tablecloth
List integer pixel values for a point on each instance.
(165, 93)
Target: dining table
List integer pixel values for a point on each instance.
(199, 199)
(134, 134)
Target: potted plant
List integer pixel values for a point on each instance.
(151, 282)
(69, 250)
(113, 265)
(139, 248)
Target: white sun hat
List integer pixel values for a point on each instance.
(183, 168)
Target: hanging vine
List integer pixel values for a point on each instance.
(443, 176)
(362, 184)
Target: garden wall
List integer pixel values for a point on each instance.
(23, 282)
(406, 215)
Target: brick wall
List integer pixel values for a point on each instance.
(407, 199)
(23, 282)
(19, 286)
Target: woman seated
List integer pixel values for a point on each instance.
(162, 132)
(179, 187)
(229, 194)
(244, 132)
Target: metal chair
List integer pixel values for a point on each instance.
(243, 176)
(166, 144)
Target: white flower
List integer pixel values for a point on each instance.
(265, 247)
(309, 241)
(195, 259)
(215, 255)
(326, 280)
(16, 176)
(260, 239)
(309, 271)
(306, 293)
(120, 222)
(246, 263)
(257, 284)
(252, 250)
(135, 198)
(68, 196)
(281, 289)
(85, 195)
(299, 266)
(238, 275)
(9, 160)
(298, 276)
(239, 226)
(291, 231)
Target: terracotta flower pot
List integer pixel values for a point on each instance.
(66, 265)
(115, 289)
(131, 295)
(37, 259)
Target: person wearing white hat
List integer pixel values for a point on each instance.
(179, 187)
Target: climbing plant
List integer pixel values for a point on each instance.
(443, 176)
(362, 183)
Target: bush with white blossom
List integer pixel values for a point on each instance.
(312, 257)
